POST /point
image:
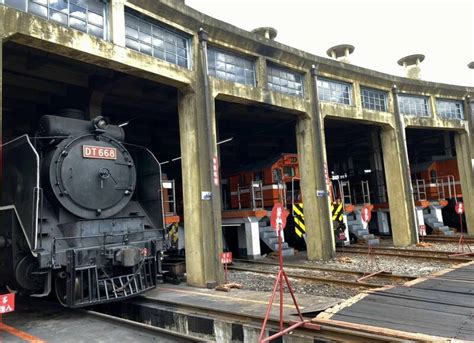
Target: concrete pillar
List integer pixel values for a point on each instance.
(397, 175)
(466, 174)
(201, 250)
(202, 210)
(117, 22)
(248, 236)
(312, 160)
(261, 73)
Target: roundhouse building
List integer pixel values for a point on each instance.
(180, 82)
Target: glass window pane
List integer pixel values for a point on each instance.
(42, 11)
(77, 12)
(78, 24)
(95, 6)
(18, 4)
(59, 5)
(132, 44)
(95, 19)
(163, 44)
(132, 33)
(96, 31)
(57, 16)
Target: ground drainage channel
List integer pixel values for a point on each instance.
(222, 326)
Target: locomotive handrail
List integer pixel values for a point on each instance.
(161, 179)
(32, 240)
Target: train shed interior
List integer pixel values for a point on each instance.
(435, 178)
(250, 137)
(356, 169)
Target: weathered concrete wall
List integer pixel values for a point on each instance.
(465, 160)
(402, 207)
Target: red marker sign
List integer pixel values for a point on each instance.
(215, 171)
(226, 257)
(459, 208)
(7, 303)
(422, 230)
(278, 217)
(366, 214)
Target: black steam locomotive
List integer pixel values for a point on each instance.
(81, 213)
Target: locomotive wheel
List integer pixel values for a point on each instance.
(24, 273)
(60, 288)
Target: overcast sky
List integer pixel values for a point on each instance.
(382, 31)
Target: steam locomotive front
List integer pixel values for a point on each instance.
(100, 219)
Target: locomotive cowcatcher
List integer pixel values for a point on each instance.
(81, 213)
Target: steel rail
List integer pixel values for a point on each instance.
(312, 278)
(325, 269)
(446, 239)
(406, 253)
(141, 326)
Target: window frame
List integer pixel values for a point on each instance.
(273, 86)
(374, 90)
(227, 65)
(336, 82)
(164, 30)
(414, 96)
(451, 101)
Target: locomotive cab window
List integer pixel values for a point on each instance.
(288, 171)
(277, 175)
(258, 176)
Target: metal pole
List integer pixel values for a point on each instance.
(215, 210)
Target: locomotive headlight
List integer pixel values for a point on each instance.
(100, 123)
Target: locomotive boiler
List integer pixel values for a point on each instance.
(81, 213)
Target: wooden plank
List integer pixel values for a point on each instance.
(378, 300)
(383, 331)
(421, 294)
(409, 319)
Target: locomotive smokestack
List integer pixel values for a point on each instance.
(72, 113)
(411, 64)
(341, 52)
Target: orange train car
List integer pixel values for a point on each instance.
(277, 180)
(261, 185)
(440, 179)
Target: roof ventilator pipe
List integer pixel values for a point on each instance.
(341, 52)
(411, 64)
(266, 32)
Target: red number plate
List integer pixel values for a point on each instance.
(100, 152)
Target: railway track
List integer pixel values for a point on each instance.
(159, 333)
(407, 253)
(333, 276)
(324, 269)
(446, 239)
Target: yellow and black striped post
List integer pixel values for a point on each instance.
(337, 211)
